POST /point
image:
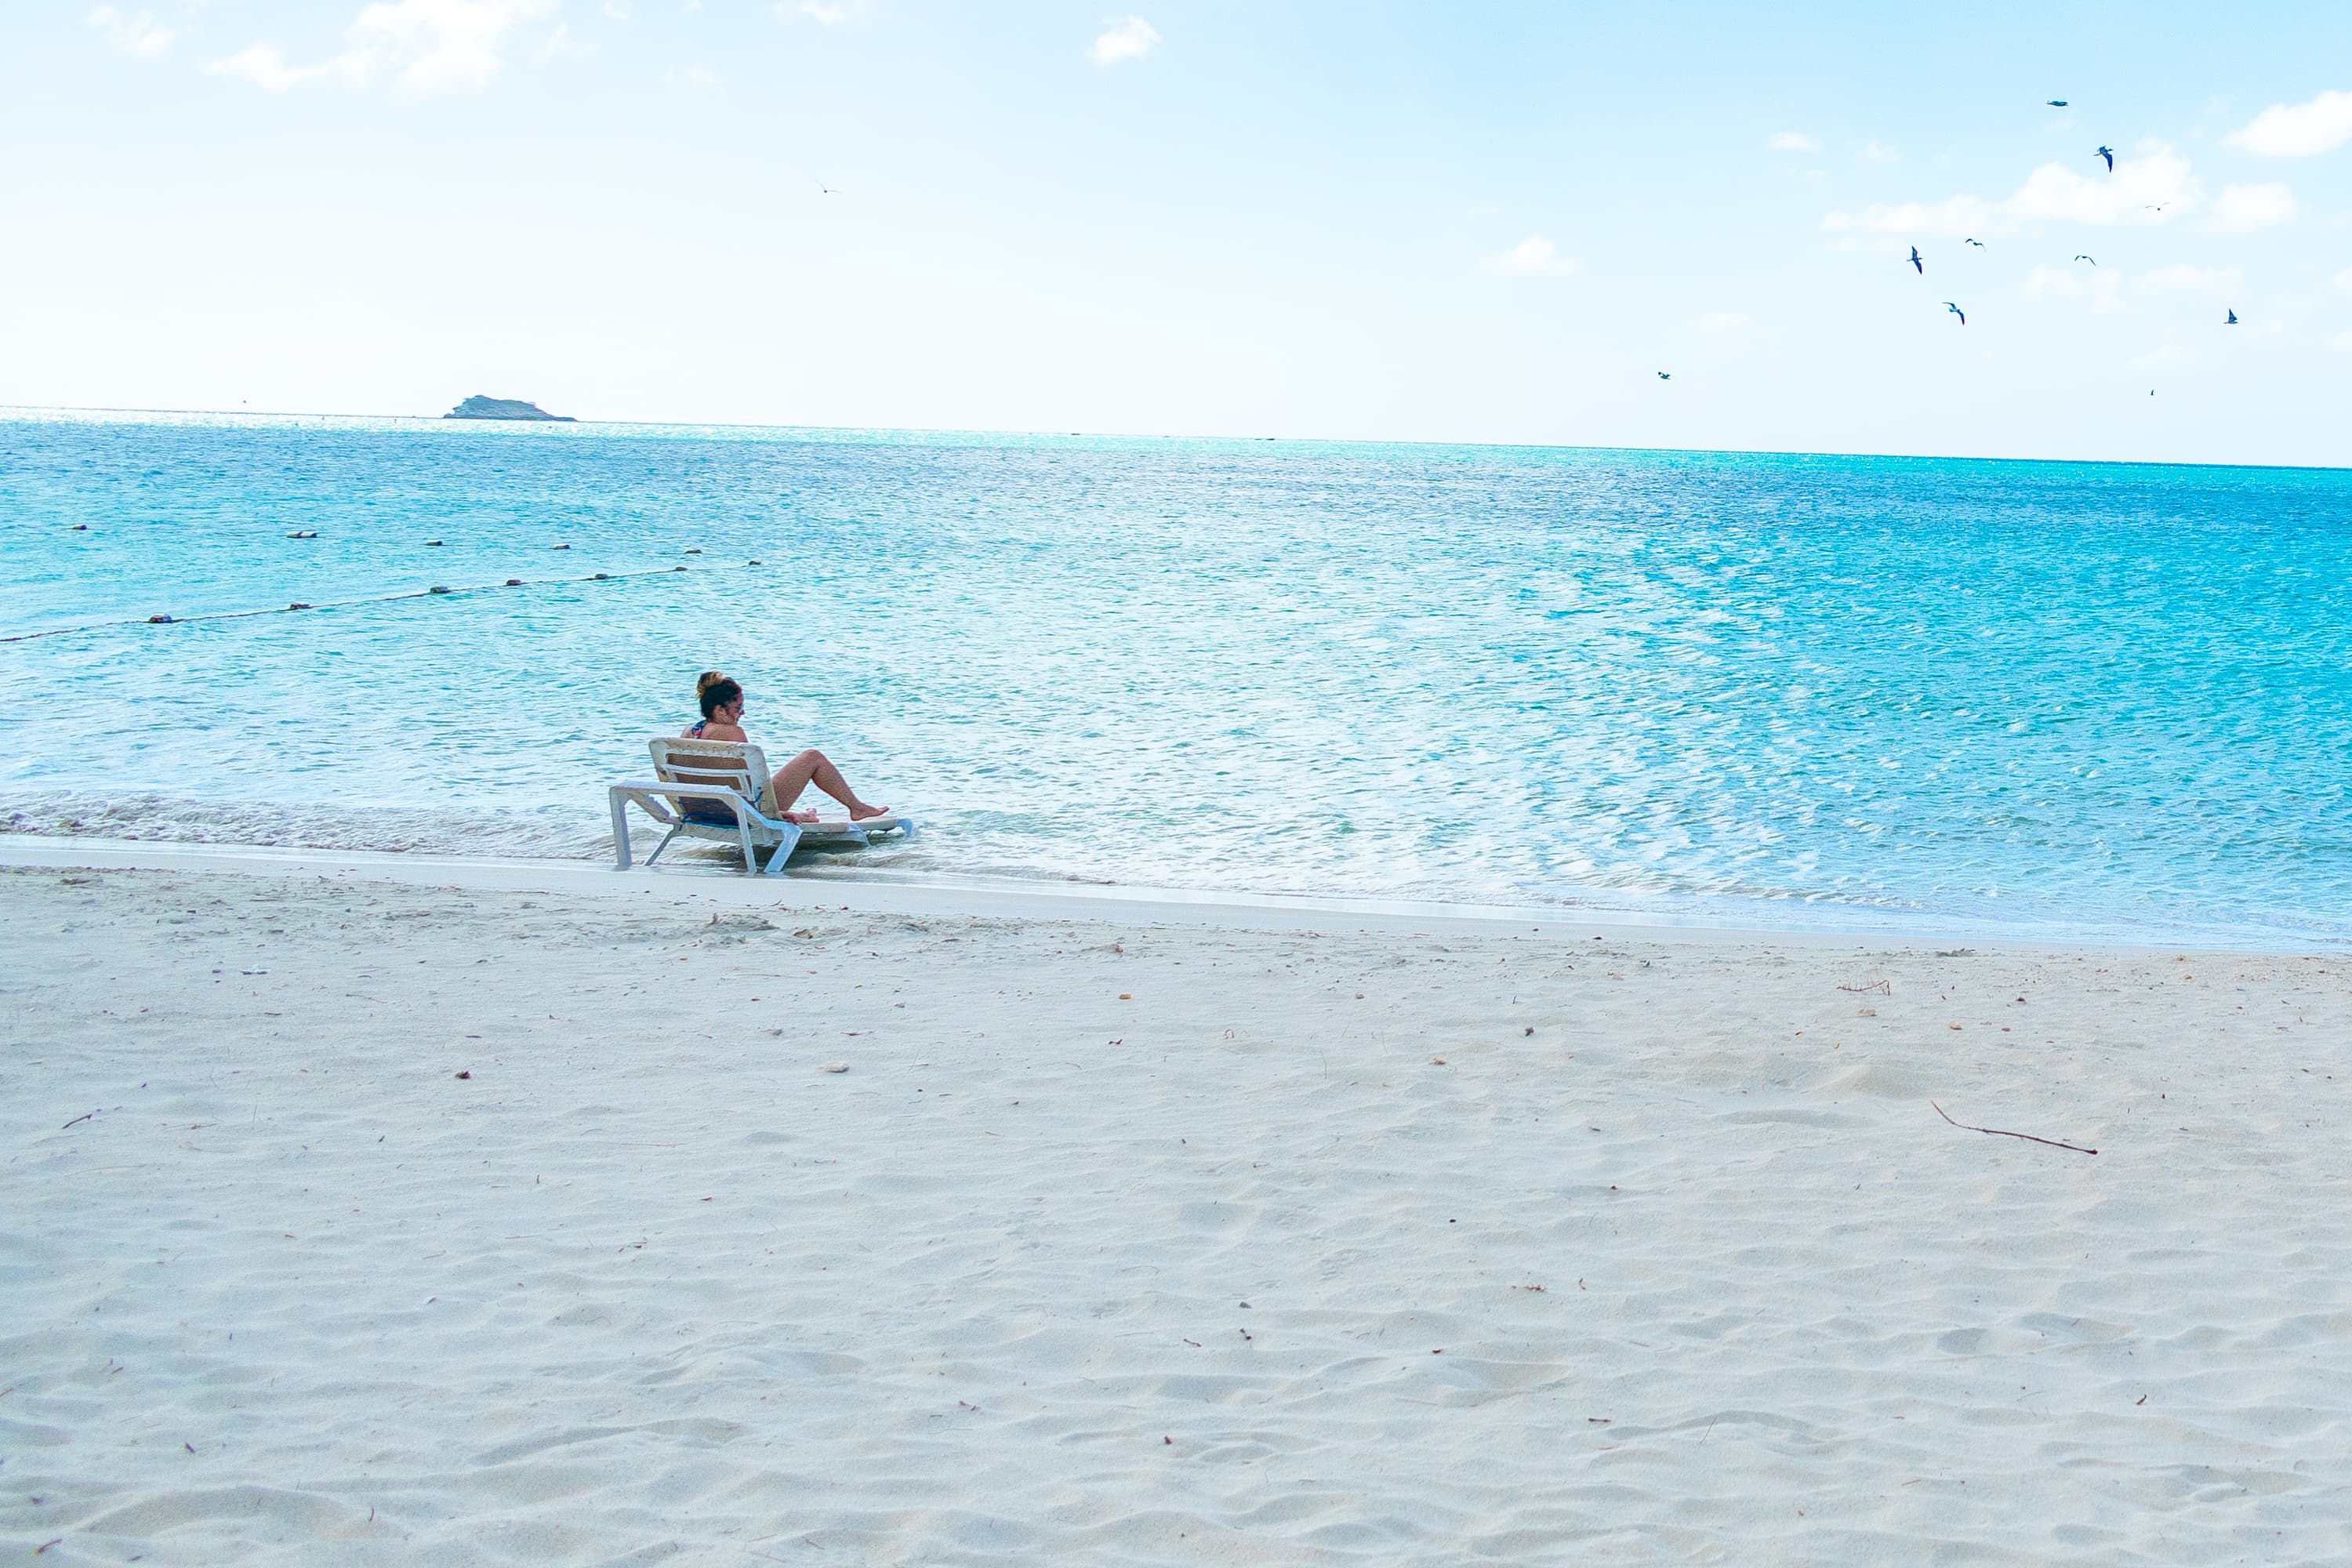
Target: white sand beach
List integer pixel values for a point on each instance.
(346, 1221)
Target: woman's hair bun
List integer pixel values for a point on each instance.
(705, 681)
(717, 692)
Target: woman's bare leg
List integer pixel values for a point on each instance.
(810, 767)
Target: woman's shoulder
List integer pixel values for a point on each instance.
(713, 731)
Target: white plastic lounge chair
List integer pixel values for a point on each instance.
(719, 790)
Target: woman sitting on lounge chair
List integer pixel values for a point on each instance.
(722, 719)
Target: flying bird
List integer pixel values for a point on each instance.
(1665, 375)
(2093, 260)
(1978, 243)
(2153, 206)
(1918, 263)
(2232, 321)
(825, 189)
(2057, 103)
(1955, 310)
(2109, 155)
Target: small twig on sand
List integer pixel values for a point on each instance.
(1884, 987)
(83, 1116)
(1997, 1133)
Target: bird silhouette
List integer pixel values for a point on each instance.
(1665, 375)
(2153, 206)
(1918, 263)
(2109, 155)
(2232, 321)
(1978, 243)
(825, 189)
(2057, 103)
(1955, 310)
(2081, 258)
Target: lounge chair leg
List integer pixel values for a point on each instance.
(620, 831)
(750, 855)
(783, 852)
(660, 846)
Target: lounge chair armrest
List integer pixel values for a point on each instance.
(639, 792)
(655, 786)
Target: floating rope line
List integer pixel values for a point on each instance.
(347, 604)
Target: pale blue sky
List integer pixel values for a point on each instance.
(1454, 223)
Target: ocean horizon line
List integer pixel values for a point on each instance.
(577, 424)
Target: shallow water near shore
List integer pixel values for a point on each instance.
(2087, 700)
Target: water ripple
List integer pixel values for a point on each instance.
(2070, 696)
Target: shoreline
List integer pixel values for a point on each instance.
(849, 888)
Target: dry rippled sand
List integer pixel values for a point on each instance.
(1667, 1260)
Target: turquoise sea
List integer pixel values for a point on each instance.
(2045, 698)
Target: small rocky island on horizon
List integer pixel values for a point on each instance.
(480, 408)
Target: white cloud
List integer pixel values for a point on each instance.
(2344, 278)
(2152, 186)
(1531, 257)
(137, 35)
(617, 10)
(2183, 279)
(265, 67)
(1721, 322)
(2149, 186)
(2103, 289)
(2164, 356)
(825, 13)
(1791, 141)
(2053, 282)
(2297, 130)
(2245, 208)
(560, 45)
(438, 44)
(1124, 38)
(1875, 151)
(424, 46)
(2106, 287)
(1954, 216)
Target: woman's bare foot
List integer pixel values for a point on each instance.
(867, 813)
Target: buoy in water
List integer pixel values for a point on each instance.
(159, 620)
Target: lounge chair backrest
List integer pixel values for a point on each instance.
(730, 765)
